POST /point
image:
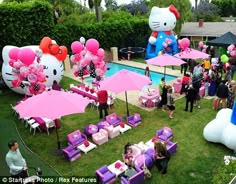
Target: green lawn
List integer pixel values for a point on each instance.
(195, 161)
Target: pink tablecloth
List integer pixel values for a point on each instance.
(84, 93)
(150, 99)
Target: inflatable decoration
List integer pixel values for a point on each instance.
(88, 59)
(31, 69)
(222, 129)
(162, 21)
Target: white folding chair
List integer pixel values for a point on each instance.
(50, 124)
(30, 122)
(35, 126)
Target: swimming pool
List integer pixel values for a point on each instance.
(115, 67)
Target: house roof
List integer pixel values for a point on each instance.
(210, 29)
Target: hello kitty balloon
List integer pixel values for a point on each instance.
(46, 66)
(162, 21)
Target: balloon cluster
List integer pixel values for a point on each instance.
(28, 74)
(231, 50)
(202, 46)
(88, 58)
(184, 44)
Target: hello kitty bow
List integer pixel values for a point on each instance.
(49, 47)
(174, 11)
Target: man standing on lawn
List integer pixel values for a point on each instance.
(15, 161)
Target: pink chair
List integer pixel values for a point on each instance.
(177, 86)
(164, 134)
(112, 131)
(134, 120)
(113, 119)
(76, 138)
(100, 137)
(71, 153)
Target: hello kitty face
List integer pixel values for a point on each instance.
(53, 69)
(163, 19)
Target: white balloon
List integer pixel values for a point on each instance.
(82, 40)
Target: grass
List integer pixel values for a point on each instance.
(195, 161)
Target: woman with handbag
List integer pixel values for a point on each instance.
(161, 156)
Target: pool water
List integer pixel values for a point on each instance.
(114, 68)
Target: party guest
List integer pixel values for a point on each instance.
(102, 100)
(190, 97)
(15, 161)
(147, 73)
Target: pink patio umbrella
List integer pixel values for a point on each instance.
(165, 60)
(125, 80)
(52, 105)
(192, 54)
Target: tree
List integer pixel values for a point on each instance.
(111, 5)
(137, 7)
(183, 6)
(227, 8)
(96, 4)
(207, 11)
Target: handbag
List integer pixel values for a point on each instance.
(147, 173)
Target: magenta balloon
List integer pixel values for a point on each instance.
(13, 53)
(92, 45)
(76, 47)
(26, 56)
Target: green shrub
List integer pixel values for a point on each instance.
(25, 23)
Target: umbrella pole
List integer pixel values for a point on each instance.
(127, 108)
(164, 72)
(58, 140)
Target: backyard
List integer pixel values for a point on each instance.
(195, 161)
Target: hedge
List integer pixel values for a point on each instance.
(25, 23)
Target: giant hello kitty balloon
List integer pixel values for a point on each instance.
(162, 21)
(26, 75)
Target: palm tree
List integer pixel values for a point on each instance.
(96, 4)
(196, 1)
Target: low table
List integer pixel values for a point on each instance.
(117, 171)
(126, 128)
(85, 149)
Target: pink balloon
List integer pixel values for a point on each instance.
(13, 53)
(200, 44)
(185, 43)
(76, 47)
(92, 45)
(100, 52)
(26, 56)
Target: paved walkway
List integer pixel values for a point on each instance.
(133, 95)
